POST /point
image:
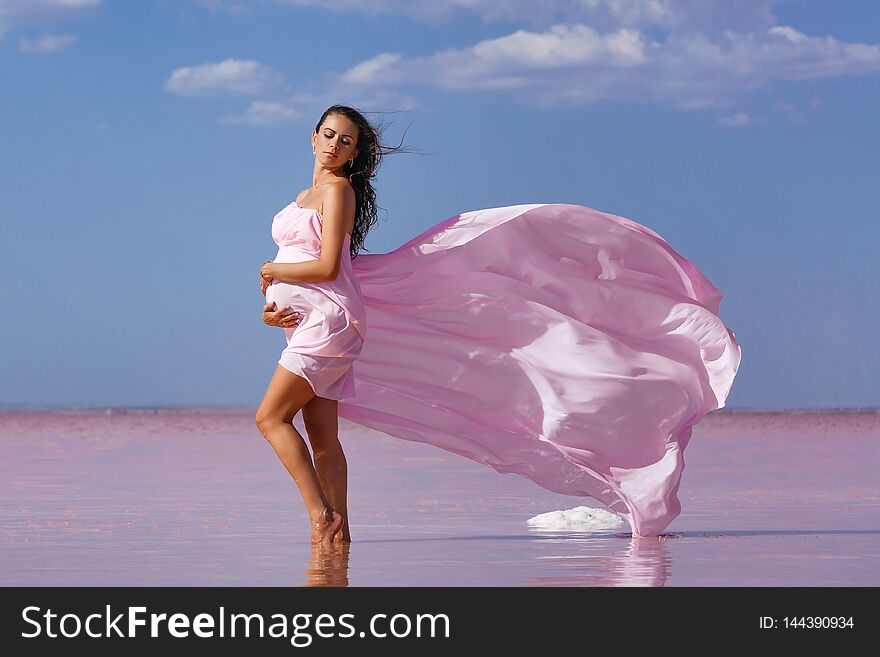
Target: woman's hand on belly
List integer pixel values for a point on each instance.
(284, 317)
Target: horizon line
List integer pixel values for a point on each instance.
(161, 407)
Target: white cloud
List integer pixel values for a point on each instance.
(602, 15)
(561, 45)
(264, 114)
(46, 43)
(507, 62)
(736, 121)
(292, 108)
(367, 71)
(228, 6)
(796, 114)
(574, 64)
(20, 12)
(691, 54)
(231, 76)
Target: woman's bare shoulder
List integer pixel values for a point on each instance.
(345, 186)
(342, 187)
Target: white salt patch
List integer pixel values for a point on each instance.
(580, 517)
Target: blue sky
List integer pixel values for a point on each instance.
(146, 146)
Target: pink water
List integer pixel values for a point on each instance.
(189, 497)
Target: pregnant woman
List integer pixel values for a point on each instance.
(573, 347)
(312, 292)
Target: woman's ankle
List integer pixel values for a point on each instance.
(322, 513)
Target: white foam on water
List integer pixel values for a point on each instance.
(580, 517)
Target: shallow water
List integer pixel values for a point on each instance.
(198, 497)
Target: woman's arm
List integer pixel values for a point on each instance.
(311, 271)
(338, 202)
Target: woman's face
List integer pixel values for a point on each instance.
(335, 143)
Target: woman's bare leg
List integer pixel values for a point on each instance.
(321, 417)
(286, 395)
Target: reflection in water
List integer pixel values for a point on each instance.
(647, 562)
(328, 565)
(598, 561)
(190, 497)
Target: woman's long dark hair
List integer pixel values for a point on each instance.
(362, 171)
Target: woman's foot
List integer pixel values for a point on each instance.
(343, 535)
(326, 526)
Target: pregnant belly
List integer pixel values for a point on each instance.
(318, 312)
(286, 294)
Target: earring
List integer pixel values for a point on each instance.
(314, 151)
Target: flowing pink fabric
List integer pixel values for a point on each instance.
(570, 346)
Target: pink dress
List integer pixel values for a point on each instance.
(323, 346)
(572, 347)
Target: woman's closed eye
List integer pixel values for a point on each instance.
(345, 141)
